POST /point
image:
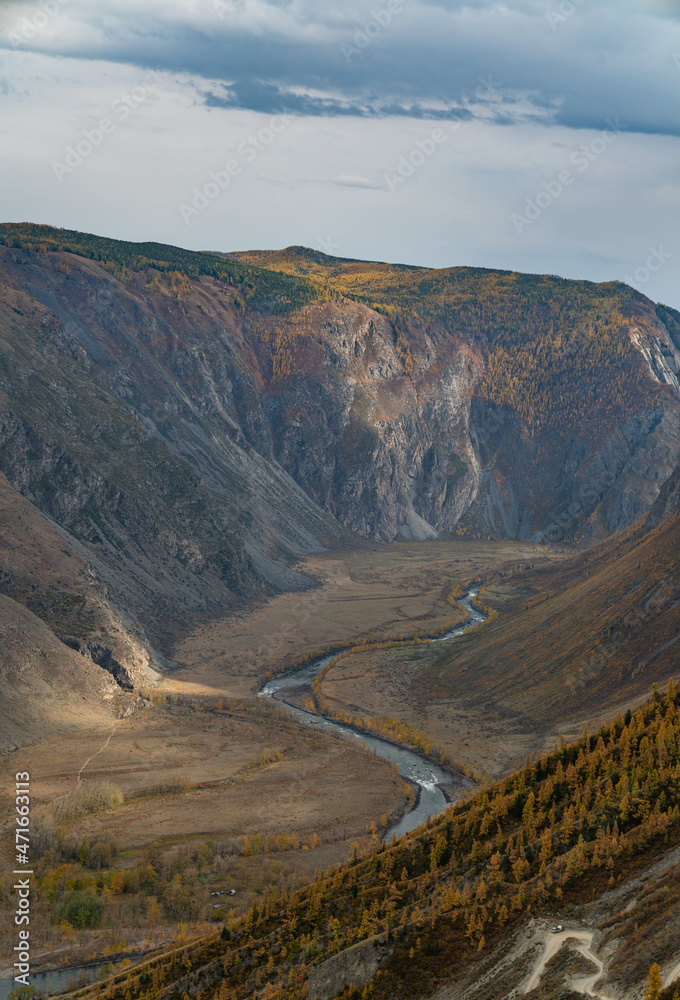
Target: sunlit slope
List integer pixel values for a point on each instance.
(578, 637)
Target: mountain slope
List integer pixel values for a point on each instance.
(192, 424)
(566, 424)
(597, 630)
(453, 906)
(45, 687)
(403, 401)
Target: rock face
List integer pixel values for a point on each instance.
(355, 965)
(667, 502)
(189, 438)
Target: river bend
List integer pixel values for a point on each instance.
(412, 766)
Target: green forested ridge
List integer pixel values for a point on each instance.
(265, 291)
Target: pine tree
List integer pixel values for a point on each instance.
(654, 983)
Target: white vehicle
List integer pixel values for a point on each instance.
(556, 929)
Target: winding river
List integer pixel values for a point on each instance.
(412, 766)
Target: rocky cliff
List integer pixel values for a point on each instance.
(667, 502)
(190, 425)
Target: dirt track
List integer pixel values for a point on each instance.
(552, 944)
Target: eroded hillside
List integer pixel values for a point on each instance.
(191, 425)
(403, 401)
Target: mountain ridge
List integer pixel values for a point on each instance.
(237, 418)
(502, 387)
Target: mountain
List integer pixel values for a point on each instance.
(568, 391)
(177, 428)
(191, 423)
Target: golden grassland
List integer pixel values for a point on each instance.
(368, 595)
(189, 796)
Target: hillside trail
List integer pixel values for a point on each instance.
(103, 746)
(670, 977)
(553, 943)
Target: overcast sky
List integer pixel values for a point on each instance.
(528, 135)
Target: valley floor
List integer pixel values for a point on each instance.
(205, 765)
(201, 759)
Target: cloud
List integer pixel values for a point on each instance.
(516, 94)
(560, 61)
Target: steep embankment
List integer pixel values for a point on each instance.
(572, 638)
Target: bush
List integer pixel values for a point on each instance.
(91, 798)
(174, 784)
(81, 909)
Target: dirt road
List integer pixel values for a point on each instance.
(553, 943)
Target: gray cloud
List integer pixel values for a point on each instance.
(562, 62)
(517, 92)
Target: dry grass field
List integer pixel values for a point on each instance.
(202, 762)
(573, 643)
(191, 773)
(376, 592)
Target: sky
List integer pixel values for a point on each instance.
(531, 135)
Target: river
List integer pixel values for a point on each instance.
(56, 980)
(412, 766)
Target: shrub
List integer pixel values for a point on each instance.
(81, 909)
(174, 784)
(97, 797)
